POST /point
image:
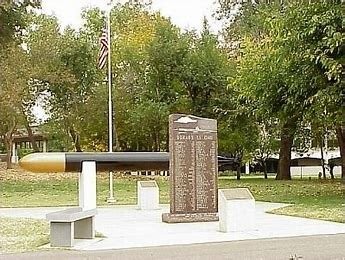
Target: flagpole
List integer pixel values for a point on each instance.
(110, 107)
(111, 198)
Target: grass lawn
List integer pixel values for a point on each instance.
(64, 192)
(321, 199)
(22, 234)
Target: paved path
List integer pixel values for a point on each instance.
(302, 248)
(138, 234)
(127, 227)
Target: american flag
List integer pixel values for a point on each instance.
(104, 50)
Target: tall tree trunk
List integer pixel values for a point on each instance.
(9, 142)
(29, 130)
(264, 164)
(117, 141)
(76, 139)
(341, 141)
(322, 159)
(331, 167)
(155, 143)
(8, 145)
(286, 140)
(31, 137)
(158, 140)
(238, 171)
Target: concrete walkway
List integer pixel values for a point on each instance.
(295, 248)
(127, 227)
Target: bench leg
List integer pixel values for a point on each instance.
(84, 228)
(61, 234)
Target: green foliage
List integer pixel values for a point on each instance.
(267, 143)
(237, 138)
(156, 70)
(24, 151)
(290, 54)
(13, 19)
(58, 141)
(148, 124)
(278, 67)
(205, 74)
(166, 56)
(13, 92)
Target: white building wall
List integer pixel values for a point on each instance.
(312, 171)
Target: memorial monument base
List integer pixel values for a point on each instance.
(189, 217)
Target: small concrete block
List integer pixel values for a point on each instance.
(61, 234)
(148, 195)
(85, 228)
(236, 210)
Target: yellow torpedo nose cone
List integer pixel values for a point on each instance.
(43, 162)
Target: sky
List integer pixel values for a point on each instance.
(187, 14)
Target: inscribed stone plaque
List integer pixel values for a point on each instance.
(147, 184)
(237, 194)
(193, 169)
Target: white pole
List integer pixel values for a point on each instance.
(111, 198)
(247, 171)
(110, 109)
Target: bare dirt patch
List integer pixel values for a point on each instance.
(18, 173)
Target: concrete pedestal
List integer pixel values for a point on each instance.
(148, 195)
(236, 209)
(87, 186)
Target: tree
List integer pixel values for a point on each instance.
(318, 30)
(167, 54)
(267, 144)
(205, 73)
(238, 132)
(152, 117)
(275, 65)
(52, 77)
(236, 140)
(78, 57)
(13, 19)
(13, 83)
(135, 30)
(323, 37)
(13, 79)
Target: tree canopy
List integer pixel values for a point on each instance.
(276, 69)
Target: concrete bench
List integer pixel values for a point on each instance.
(66, 225)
